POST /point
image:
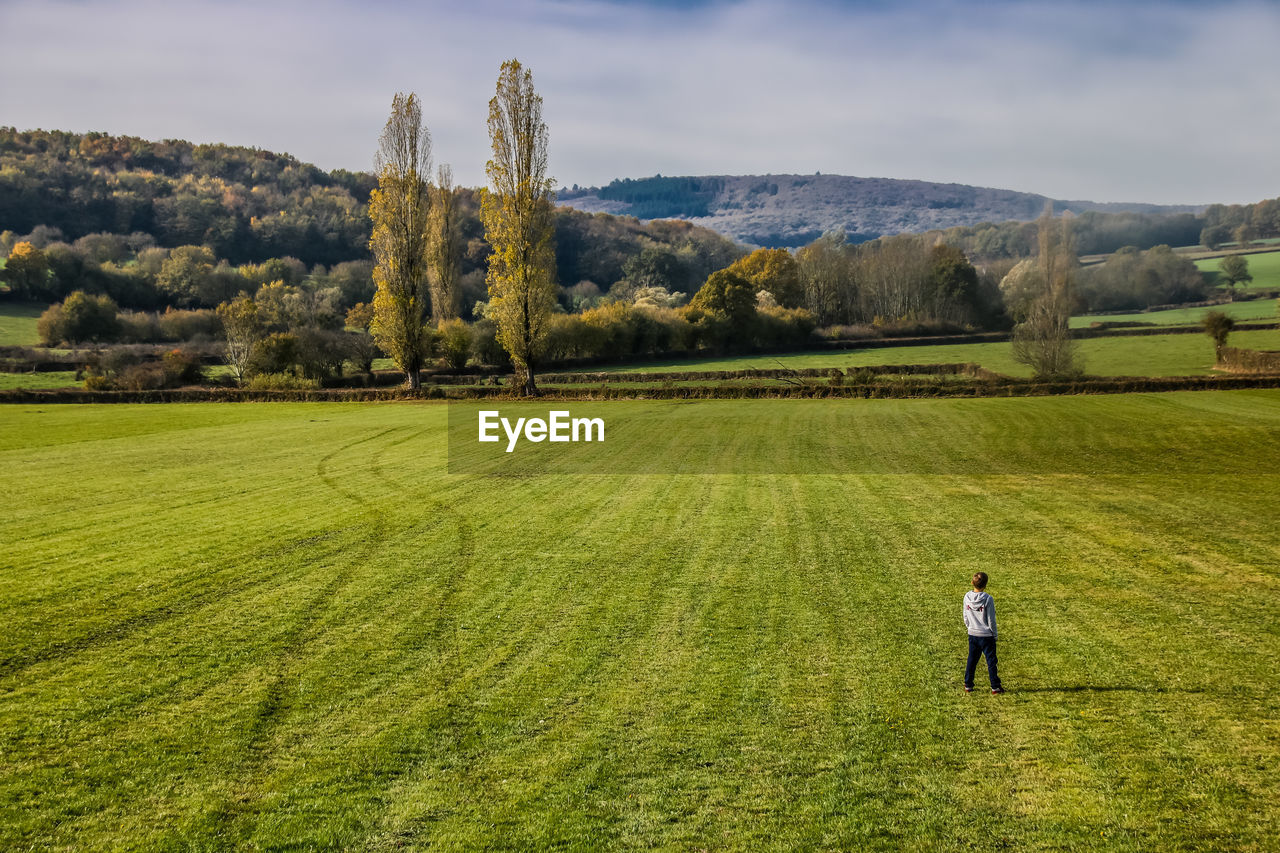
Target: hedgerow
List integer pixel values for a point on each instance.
(898, 388)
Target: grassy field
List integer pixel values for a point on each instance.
(1148, 355)
(1265, 268)
(1199, 253)
(1253, 309)
(18, 323)
(44, 380)
(269, 626)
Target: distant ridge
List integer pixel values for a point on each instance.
(792, 210)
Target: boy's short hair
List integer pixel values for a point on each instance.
(980, 580)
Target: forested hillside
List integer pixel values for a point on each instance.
(109, 229)
(791, 210)
(108, 212)
(244, 204)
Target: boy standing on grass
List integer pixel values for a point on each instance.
(980, 621)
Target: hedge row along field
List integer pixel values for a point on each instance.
(1244, 311)
(1159, 355)
(286, 626)
(882, 387)
(1249, 361)
(749, 373)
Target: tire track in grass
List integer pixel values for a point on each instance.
(444, 628)
(574, 688)
(276, 701)
(214, 590)
(217, 587)
(466, 542)
(273, 707)
(464, 554)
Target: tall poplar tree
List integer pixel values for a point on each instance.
(517, 214)
(400, 209)
(446, 244)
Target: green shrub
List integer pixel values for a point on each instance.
(52, 326)
(320, 352)
(1248, 360)
(776, 326)
(117, 359)
(708, 330)
(455, 343)
(94, 380)
(90, 318)
(281, 382)
(485, 346)
(276, 353)
(181, 367)
(175, 325)
(139, 327)
(141, 377)
(361, 349)
(571, 336)
(81, 317)
(662, 329)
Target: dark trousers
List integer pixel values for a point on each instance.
(979, 646)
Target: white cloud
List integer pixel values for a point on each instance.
(1139, 102)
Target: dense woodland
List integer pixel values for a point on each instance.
(136, 226)
(659, 197)
(108, 212)
(243, 204)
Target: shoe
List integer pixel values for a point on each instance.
(968, 690)
(996, 691)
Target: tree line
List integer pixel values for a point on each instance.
(1240, 223)
(480, 275)
(248, 204)
(595, 253)
(139, 275)
(244, 204)
(660, 197)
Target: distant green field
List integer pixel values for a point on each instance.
(18, 323)
(1149, 355)
(284, 626)
(1265, 268)
(1254, 309)
(52, 379)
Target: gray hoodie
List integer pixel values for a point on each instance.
(979, 614)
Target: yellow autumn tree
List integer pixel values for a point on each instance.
(517, 215)
(774, 271)
(400, 209)
(27, 271)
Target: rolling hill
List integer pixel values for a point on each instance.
(791, 210)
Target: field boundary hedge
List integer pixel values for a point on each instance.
(17, 359)
(969, 369)
(934, 340)
(1249, 360)
(778, 373)
(1003, 387)
(1143, 331)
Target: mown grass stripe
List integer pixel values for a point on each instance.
(762, 661)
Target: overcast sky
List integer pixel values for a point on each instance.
(1119, 101)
